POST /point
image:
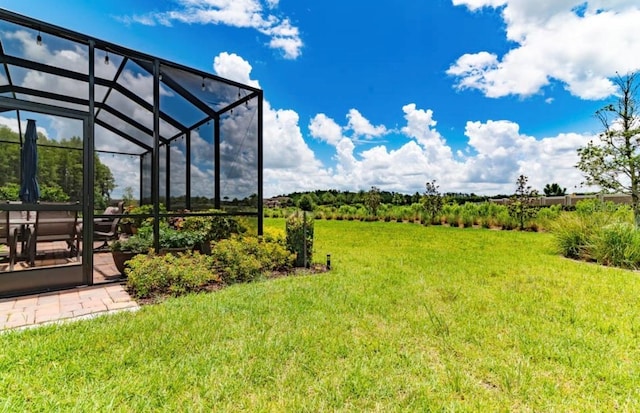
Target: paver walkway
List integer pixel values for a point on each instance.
(64, 305)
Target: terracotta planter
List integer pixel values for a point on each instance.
(128, 228)
(120, 258)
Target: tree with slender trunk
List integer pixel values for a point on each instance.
(520, 205)
(372, 200)
(613, 163)
(432, 201)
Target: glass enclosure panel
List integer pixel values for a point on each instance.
(215, 94)
(168, 131)
(41, 189)
(4, 80)
(124, 170)
(45, 73)
(239, 159)
(52, 50)
(178, 175)
(145, 182)
(202, 168)
(51, 102)
(47, 82)
(106, 64)
(162, 181)
(107, 140)
(132, 133)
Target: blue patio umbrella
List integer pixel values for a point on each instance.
(29, 189)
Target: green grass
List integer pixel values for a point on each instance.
(411, 318)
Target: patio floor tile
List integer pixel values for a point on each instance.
(66, 305)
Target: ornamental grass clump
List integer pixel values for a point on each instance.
(599, 231)
(572, 235)
(617, 245)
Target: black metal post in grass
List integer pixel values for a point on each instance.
(304, 238)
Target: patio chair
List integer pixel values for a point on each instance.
(8, 237)
(52, 226)
(106, 229)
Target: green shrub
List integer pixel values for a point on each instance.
(141, 221)
(468, 215)
(156, 275)
(617, 245)
(276, 235)
(233, 263)
(212, 228)
(505, 220)
(274, 256)
(300, 238)
(169, 237)
(245, 259)
(173, 238)
(547, 215)
(136, 243)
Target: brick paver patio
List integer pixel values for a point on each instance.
(26, 311)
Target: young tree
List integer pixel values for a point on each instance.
(432, 201)
(613, 163)
(372, 200)
(521, 204)
(306, 203)
(554, 189)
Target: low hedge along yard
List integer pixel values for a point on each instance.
(233, 260)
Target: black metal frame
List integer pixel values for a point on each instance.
(94, 109)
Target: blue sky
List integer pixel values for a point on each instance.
(471, 93)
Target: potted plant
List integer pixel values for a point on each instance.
(123, 250)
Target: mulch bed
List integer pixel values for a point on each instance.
(217, 286)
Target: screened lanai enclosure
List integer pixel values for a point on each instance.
(92, 133)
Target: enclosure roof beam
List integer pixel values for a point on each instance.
(129, 120)
(27, 64)
(178, 88)
(64, 33)
(113, 81)
(239, 102)
(41, 108)
(41, 67)
(118, 132)
(43, 94)
(137, 99)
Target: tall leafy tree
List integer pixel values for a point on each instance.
(60, 169)
(613, 162)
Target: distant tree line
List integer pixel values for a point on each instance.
(334, 197)
(60, 170)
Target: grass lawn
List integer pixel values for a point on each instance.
(411, 318)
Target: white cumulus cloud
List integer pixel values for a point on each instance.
(253, 14)
(580, 44)
(362, 127)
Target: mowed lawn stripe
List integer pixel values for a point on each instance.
(410, 318)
